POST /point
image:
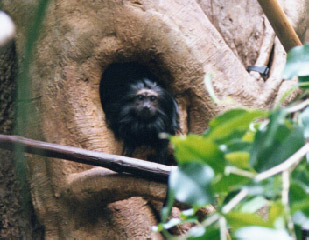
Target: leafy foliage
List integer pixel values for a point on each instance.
(234, 165)
(272, 144)
(195, 188)
(298, 65)
(25, 113)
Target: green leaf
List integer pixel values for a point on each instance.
(300, 219)
(250, 135)
(191, 184)
(158, 228)
(297, 63)
(275, 143)
(290, 145)
(272, 187)
(254, 190)
(299, 198)
(226, 116)
(276, 214)
(25, 113)
(302, 206)
(167, 209)
(236, 120)
(301, 175)
(258, 233)
(235, 145)
(201, 233)
(230, 183)
(198, 149)
(238, 220)
(297, 192)
(209, 86)
(303, 82)
(238, 159)
(254, 204)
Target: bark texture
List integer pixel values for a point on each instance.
(9, 205)
(180, 41)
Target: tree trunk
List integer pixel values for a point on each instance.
(180, 41)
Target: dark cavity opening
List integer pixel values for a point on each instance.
(138, 108)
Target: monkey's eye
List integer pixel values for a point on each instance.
(140, 97)
(153, 98)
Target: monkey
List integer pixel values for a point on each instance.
(138, 109)
(147, 110)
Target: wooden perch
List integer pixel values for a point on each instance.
(120, 164)
(280, 24)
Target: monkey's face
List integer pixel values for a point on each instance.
(146, 103)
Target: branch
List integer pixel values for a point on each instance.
(120, 164)
(280, 24)
(292, 161)
(286, 175)
(287, 165)
(298, 107)
(234, 201)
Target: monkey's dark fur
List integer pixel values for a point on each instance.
(137, 108)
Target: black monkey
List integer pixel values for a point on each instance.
(137, 108)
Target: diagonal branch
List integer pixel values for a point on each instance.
(288, 164)
(280, 24)
(120, 164)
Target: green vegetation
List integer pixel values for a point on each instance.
(25, 113)
(247, 160)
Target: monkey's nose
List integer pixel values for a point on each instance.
(146, 108)
(146, 113)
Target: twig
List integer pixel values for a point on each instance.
(237, 171)
(210, 220)
(235, 200)
(298, 107)
(285, 201)
(116, 163)
(280, 24)
(223, 228)
(287, 164)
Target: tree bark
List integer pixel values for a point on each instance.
(180, 43)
